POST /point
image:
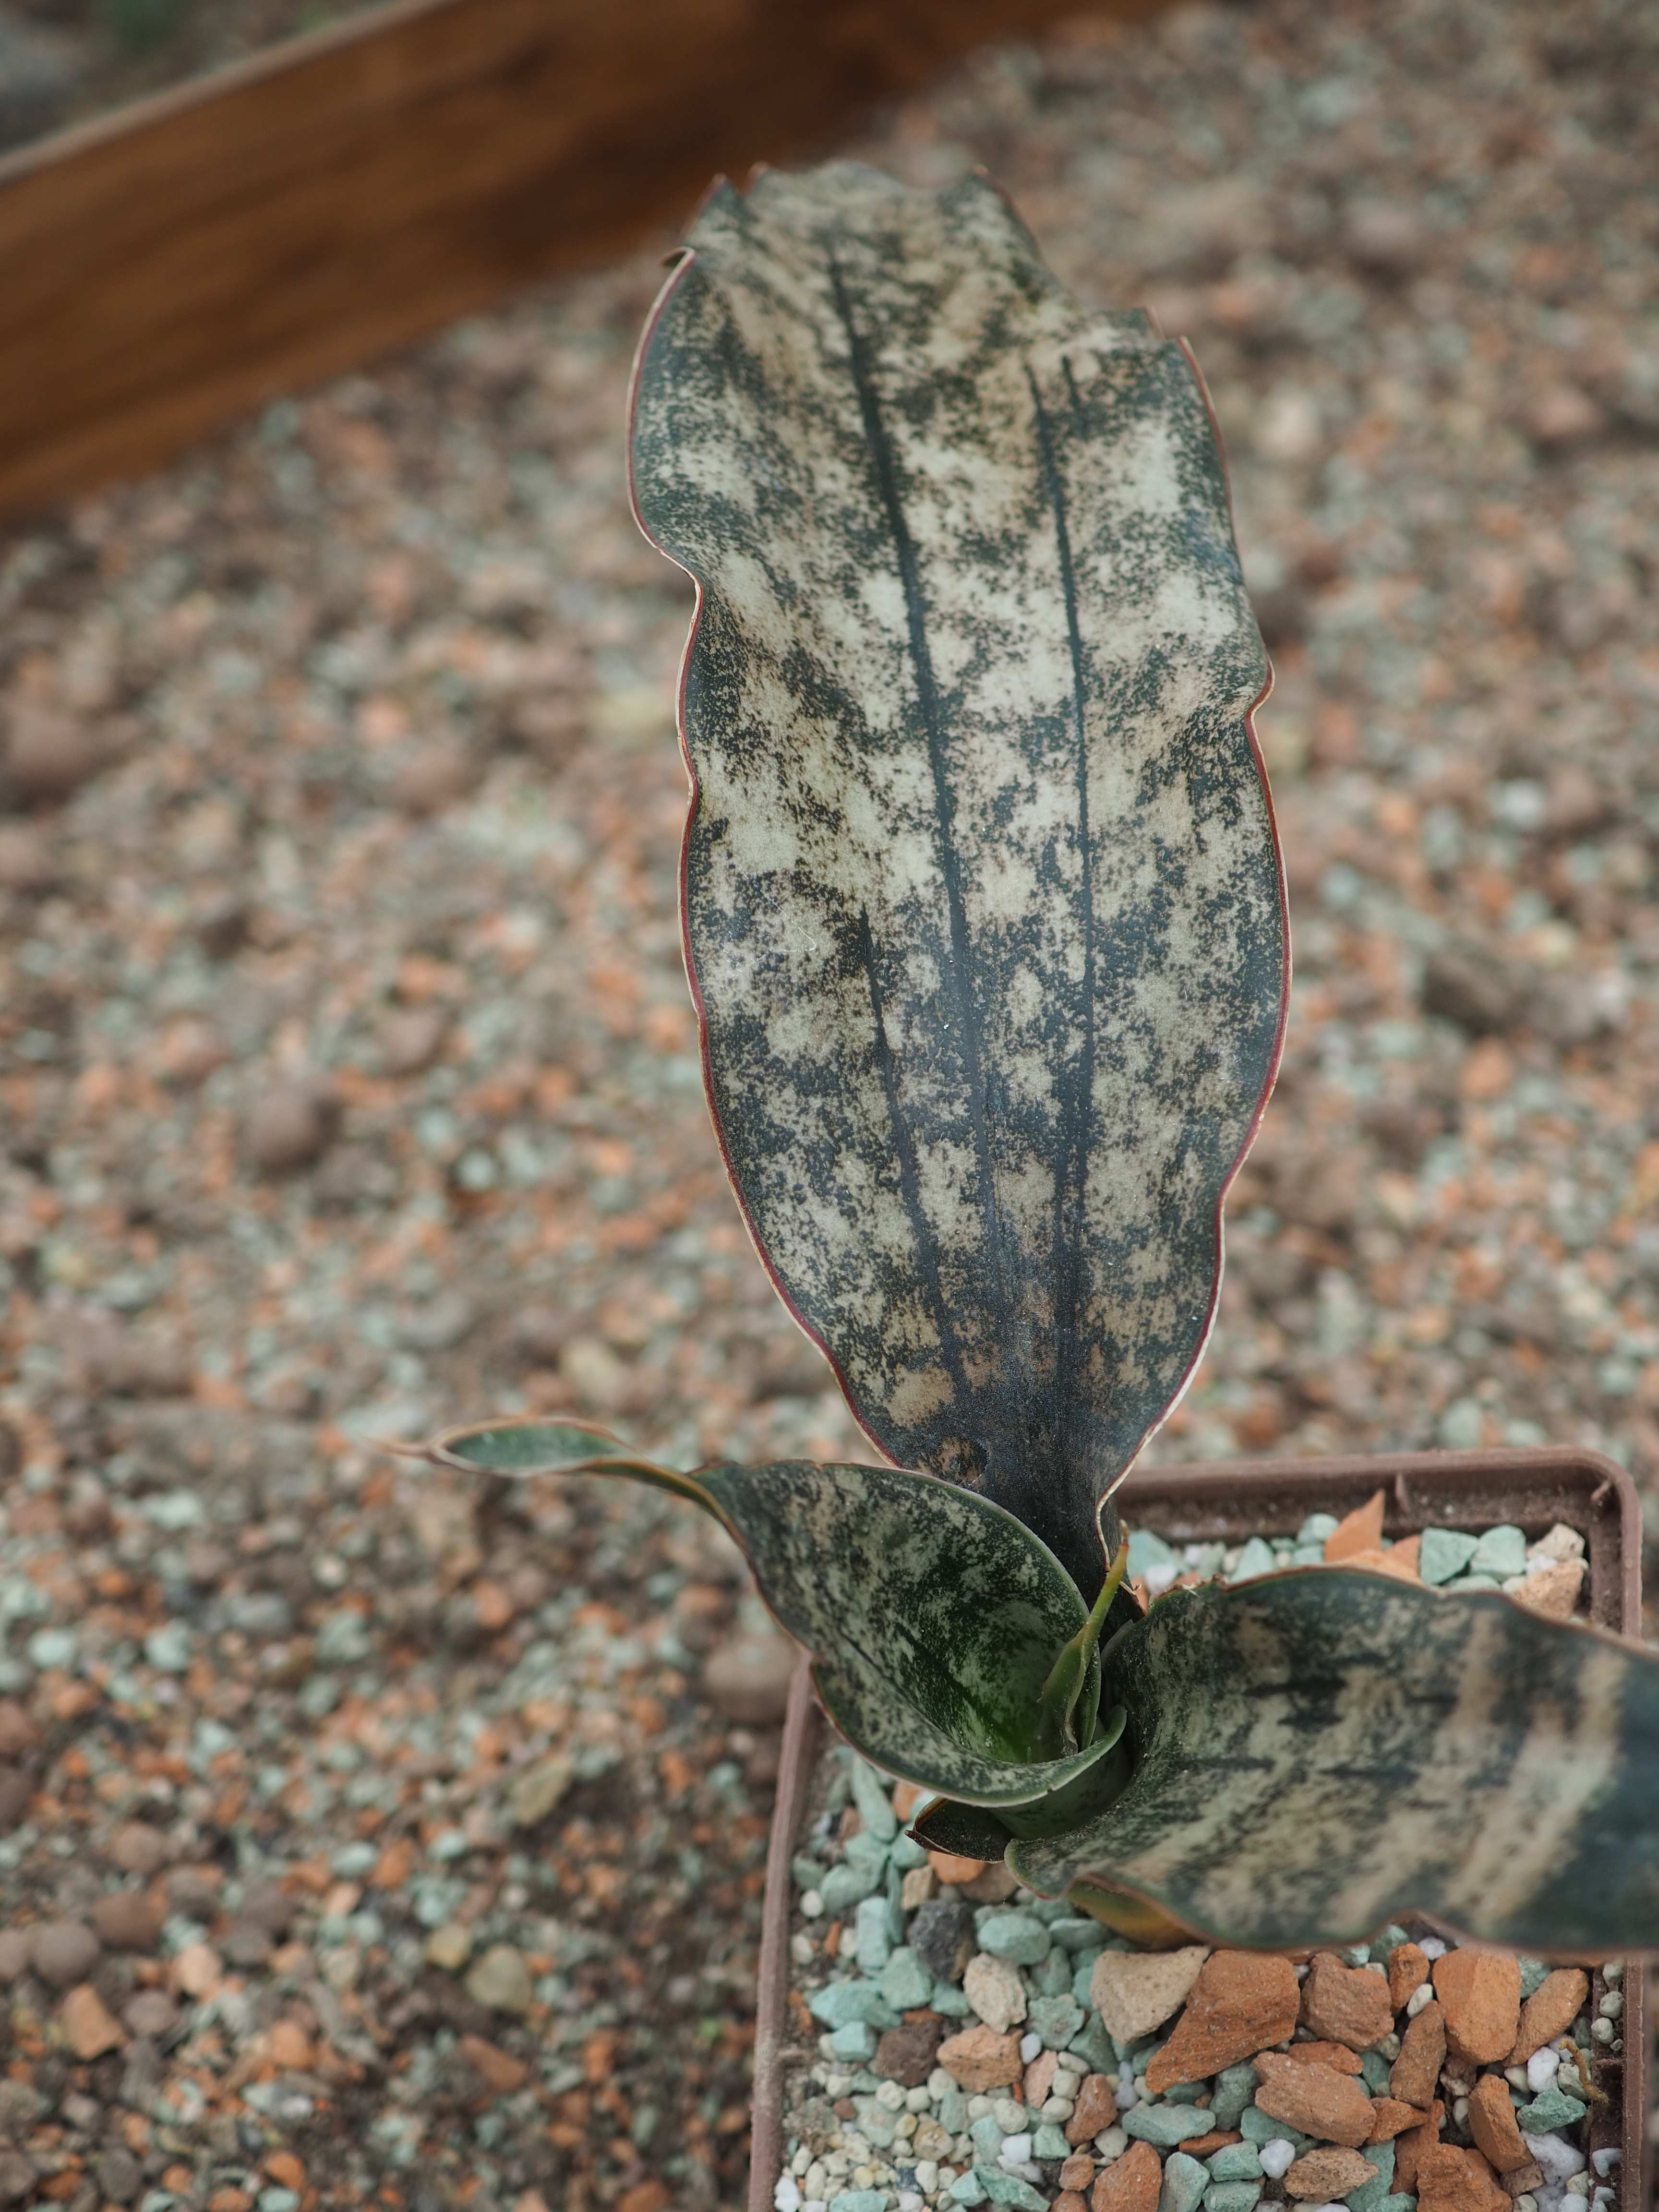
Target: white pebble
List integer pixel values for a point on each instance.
(812, 1906)
(918, 2099)
(1158, 1576)
(785, 2197)
(1432, 1948)
(1067, 2061)
(926, 2176)
(1613, 1971)
(1010, 2115)
(1558, 2157)
(1541, 2069)
(1602, 2030)
(821, 2204)
(818, 2179)
(1028, 2047)
(978, 2105)
(1418, 1999)
(801, 2165)
(910, 2200)
(1277, 2158)
(1015, 2150)
(1301, 1971)
(1611, 2006)
(1525, 2203)
(1460, 2110)
(1517, 2078)
(890, 2097)
(1056, 2108)
(802, 1950)
(1605, 2160)
(1111, 2143)
(1578, 2185)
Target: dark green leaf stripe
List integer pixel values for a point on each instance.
(1322, 1752)
(983, 896)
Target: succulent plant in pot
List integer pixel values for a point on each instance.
(985, 921)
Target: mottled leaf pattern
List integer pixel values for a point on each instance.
(933, 1617)
(1318, 1753)
(982, 898)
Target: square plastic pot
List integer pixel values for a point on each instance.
(1225, 1501)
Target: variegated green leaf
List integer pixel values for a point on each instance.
(1318, 1753)
(970, 1831)
(982, 896)
(934, 1618)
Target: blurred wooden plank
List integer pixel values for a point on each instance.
(168, 268)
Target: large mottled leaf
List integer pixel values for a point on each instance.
(982, 898)
(1318, 1753)
(934, 1618)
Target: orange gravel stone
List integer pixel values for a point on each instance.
(1094, 2111)
(1408, 1971)
(1346, 2004)
(1335, 2055)
(1492, 2123)
(288, 2045)
(1205, 2146)
(981, 2060)
(1358, 1531)
(1422, 2055)
(286, 2170)
(1130, 2184)
(1069, 2200)
(1449, 2179)
(1393, 2119)
(1479, 1993)
(497, 2069)
(1078, 2172)
(1410, 2147)
(1550, 2011)
(1320, 2176)
(89, 2028)
(1332, 2107)
(1240, 2002)
(948, 1868)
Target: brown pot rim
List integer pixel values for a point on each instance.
(1458, 1478)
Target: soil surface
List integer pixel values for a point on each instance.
(349, 1087)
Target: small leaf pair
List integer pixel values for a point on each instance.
(950, 1645)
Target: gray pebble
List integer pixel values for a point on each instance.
(64, 1951)
(941, 1934)
(120, 2176)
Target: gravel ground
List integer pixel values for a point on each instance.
(956, 2041)
(349, 1085)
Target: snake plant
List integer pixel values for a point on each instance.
(985, 926)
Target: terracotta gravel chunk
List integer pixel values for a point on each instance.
(1410, 2147)
(1492, 2123)
(1069, 2201)
(981, 2060)
(1358, 1531)
(1422, 2055)
(1393, 2119)
(1552, 1590)
(907, 2054)
(1449, 2179)
(1337, 2056)
(1346, 2004)
(1241, 2001)
(89, 2028)
(1135, 1991)
(1408, 1971)
(1320, 2176)
(1078, 2173)
(1316, 2100)
(1207, 2146)
(1550, 2011)
(1130, 2184)
(1095, 2110)
(1479, 1993)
